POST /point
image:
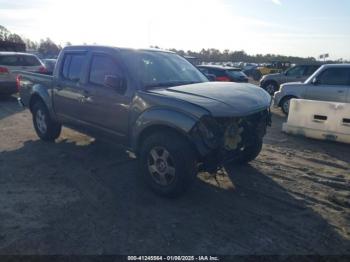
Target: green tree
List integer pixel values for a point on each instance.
(48, 48)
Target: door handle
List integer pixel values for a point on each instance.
(340, 91)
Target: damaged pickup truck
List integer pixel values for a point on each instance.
(153, 102)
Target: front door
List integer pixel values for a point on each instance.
(103, 107)
(331, 85)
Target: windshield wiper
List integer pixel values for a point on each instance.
(170, 84)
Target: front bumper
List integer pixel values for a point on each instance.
(233, 134)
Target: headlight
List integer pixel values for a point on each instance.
(209, 131)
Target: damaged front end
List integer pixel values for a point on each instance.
(223, 139)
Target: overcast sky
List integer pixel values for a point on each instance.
(289, 27)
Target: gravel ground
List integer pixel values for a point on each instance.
(79, 196)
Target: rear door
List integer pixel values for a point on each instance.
(68, 91)
(332, 85)
(104, 108)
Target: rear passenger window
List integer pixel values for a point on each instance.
(217, 72)
(101, 66)
(29, 60)
(72, 66)
(9, 60)
(335, 76)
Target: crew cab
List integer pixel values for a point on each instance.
(154, 103)
(329, 83)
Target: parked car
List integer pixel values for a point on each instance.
(12, 61)
(270, 68)
(299, 73)
(153, 102)
(224, 73)
(329, 83)
(50, 65)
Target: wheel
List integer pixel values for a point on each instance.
(168, 163)
(285, 104)
(249, 153)
(257, 75)
(270, 87)
(45, 127)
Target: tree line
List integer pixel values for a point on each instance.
(11, 41)
(49, 49)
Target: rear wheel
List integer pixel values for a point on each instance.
(168, 163)
(270, 87)
(45, 127)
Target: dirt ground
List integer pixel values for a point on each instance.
(77, 196)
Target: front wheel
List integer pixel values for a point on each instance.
(285, 103)
(271, 87)
(168, 163)
(45, 127)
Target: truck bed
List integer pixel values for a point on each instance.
(30, 81)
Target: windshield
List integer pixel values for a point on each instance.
(161, 69)
(236, 73)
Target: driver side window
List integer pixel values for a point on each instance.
(335, 76)
(102, 66)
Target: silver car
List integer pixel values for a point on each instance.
(13, 61)
(329, 83)
(298, 73)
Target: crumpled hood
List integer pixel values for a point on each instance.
(221, 98)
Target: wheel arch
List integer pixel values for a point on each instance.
(160, 120)
(286, 97)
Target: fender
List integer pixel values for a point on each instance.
(179, 121)
(45, 94)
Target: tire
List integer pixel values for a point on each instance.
(249, 153)
(168, 163)
(44, 126)
(285, 104)
(270, 87)
(257, 75)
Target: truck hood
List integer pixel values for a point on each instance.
(221, 99)
(291, 86)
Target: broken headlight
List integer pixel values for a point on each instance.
(209, 131)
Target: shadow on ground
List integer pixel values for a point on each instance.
(8, 106)
(65, 198)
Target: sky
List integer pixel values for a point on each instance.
(288, 27)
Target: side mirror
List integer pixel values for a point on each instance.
(116, 82)
(211, 77)
(315, 81)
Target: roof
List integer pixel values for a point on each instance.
(335, 65)
(219, 67)
(101, 47)
(14, 53)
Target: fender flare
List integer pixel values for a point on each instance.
(161, 117)
(43, 93)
